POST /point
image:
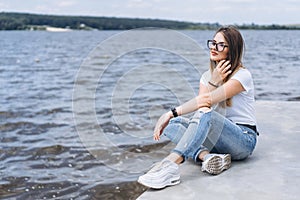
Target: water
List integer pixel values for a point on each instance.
(44, 154)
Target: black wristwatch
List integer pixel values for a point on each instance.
(174, 111)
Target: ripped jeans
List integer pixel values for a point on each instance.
(212, 132)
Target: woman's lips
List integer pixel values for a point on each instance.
(213, 53)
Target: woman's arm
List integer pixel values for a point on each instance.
(210, 95)
(229, 89)
(221, 71)
(205, 99)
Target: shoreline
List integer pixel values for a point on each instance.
(58, 29)
(21, 21)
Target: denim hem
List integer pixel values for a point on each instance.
(196, 158)
(196, 155)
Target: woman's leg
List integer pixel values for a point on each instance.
(166, 172)
(211, 130)
(237, 140)
(232, 141)
(176, 128)
(206, 131)
(174, 131)
(193, 139)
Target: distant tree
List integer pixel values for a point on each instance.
(22, 21)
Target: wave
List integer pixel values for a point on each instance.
(28, 128)
(294, 98)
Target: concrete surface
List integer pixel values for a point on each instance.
(272, 172)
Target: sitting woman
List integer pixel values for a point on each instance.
(223, 126)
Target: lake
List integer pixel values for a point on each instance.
(78, 108)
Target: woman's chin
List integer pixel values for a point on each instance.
(216, 59)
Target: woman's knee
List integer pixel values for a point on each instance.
(180, 120)
(205, 109)
(176, 128)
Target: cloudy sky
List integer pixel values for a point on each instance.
(222, 11)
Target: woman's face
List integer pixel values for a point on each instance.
(223, 50)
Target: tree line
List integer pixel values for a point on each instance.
(25, 21)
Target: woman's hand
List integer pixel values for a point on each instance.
(221, 71)
(161, 124)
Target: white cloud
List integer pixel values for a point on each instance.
(138, 4)
(44, 9)
(3, 6)
(66, 3)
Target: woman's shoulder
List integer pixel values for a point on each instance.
(244, 76)
(206, 73)
(243, 72)
(205, 77)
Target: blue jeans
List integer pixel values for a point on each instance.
(210, 131)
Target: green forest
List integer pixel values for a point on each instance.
(26, 21)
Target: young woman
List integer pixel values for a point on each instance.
(223, 126)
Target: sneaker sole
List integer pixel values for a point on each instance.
(216, 164)
(173, 181)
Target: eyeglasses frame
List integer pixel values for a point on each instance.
(216, 45)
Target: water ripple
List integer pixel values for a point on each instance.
(41, 154)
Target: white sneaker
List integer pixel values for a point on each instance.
(216, 163)
(164, 173)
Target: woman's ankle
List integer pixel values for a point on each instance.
(176, 158)
(202, 154)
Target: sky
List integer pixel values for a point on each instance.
(211, 11)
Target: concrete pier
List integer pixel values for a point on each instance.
(272, 172)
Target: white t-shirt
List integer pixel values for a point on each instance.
(242, 110)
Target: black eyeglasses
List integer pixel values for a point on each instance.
(219, 46)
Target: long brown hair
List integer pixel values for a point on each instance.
(235, 43)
